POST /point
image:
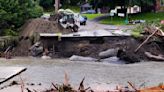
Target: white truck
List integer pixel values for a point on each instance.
(71, 20)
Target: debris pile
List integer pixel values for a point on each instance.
(67, 87)
(154, 37)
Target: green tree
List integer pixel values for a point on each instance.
(126, 3)
(47, 3)
(13, 13)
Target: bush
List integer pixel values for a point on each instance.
(9, 32)
(136, 32)
(13, 13)
(46, 3)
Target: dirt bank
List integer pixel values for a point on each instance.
(91, 47)
(38, 25)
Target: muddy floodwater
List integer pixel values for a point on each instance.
(104, 75)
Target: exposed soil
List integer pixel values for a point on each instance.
(22, 48)
(30, 33)
(92, 47)
(34, 26)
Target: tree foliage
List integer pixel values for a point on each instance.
(47, 3)
(13, 13)
(126, 3)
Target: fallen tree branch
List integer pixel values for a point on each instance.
(22, 84)
(154, 57)
(133, 86)
(55, 86)
(145, 41)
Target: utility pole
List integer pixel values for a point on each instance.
(57, 5)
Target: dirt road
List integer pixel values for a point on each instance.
(97, 75)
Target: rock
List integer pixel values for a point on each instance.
(37, 44)
(108, 53)
(36, 49)
(128, 57)
(45, 57)
(113, 60)
(81, 58)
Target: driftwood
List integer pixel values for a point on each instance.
(133, 86)
(145, 40)
(150, 30)
(154, 57)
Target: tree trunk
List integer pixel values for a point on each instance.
(57, 5)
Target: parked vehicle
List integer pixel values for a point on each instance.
(72, 20)
(68, 22)
(83, 20)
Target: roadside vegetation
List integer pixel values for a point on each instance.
(137, 32)
(92, 16)
(14, 13)
(142, 16)
(73, 8)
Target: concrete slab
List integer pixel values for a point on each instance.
(93, 33)
(7, 73)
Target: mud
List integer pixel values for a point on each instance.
(93, 46)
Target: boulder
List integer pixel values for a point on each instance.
(45, 57)
(128, 57)
(108, 53)
(112, 60)
(81, 58)
(36, 49)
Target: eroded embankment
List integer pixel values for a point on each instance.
(92, 46)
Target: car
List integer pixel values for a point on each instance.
(83, 20)
(80, 18)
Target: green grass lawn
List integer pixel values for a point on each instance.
(143, 16)
(92, 16)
